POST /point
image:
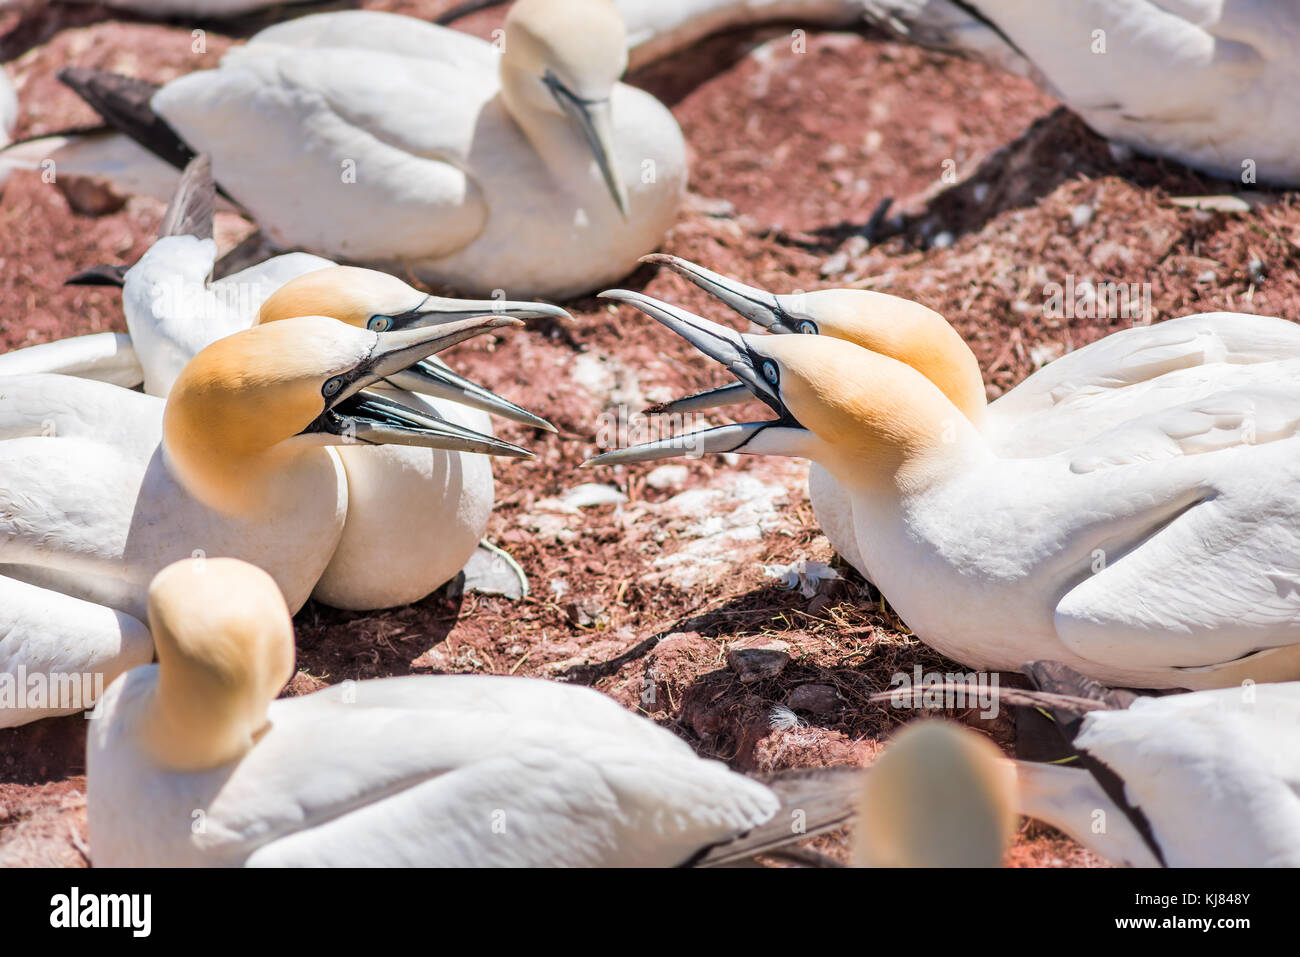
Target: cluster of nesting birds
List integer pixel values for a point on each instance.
(169, 497)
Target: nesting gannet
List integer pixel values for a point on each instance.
(431, 506)
(1157, 554)
(1075, 398)
(192, 762)
(379, 139)
(103, 486)
(1207, 779)
(462, 770)
(1200, 81)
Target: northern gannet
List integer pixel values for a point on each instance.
(1200, 81)
(1207, 779)
(429, 505)
(379, 139)
(457, 770)
(1073, 399)
(1158, 554)
(463, 770)
(104, 486)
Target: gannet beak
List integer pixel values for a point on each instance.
(430, 379)
(366, 417)
(375, 420)
(427, 378)
(435, 310)
(403, 348)
(595, 119)
(729, 348)
(756, 305)
(701, 401)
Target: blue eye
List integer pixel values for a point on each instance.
(379, 323)
(332, 387)
(770, 372)
(808, 327)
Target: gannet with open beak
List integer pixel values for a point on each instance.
(104, 486)
(1073, 399)
(413, 147)
(1155, 555)
(429, 505)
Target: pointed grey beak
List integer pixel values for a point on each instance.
(756, 305)
(434, 310)
(723, 395)
(725, 438)
(718, 342)
(595, 119)
(727, 347)
(401, 349)
(356, 415)
(429, 378)
(375, 420)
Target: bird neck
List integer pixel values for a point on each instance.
(196, 725)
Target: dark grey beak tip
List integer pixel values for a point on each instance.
(659, 259)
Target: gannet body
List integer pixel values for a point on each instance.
(465, 770)
(1070, 401)
(1201, 81)
(429, 505)
(1157, 554)
(417, 148)
(1208, 779)
(104, 486)
(433, 771)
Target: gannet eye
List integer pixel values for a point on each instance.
(770, 372)
(332, 387)
(808, 328)
(379, 323)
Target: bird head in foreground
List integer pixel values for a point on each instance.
(939, 796)
(871, 420)
(248, 402)
(224, 643)
(565, 57)
(890, 325)
(373, 300)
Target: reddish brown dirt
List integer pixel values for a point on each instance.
(791, 153)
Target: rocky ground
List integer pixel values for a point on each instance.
(644, 579)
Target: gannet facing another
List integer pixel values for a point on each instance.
(431, 506)
(1077, 397)
(532, 171)
(104, 486)
(1155, 555)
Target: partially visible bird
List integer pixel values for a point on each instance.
(377, 139)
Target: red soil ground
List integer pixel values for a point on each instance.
(791, 153)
